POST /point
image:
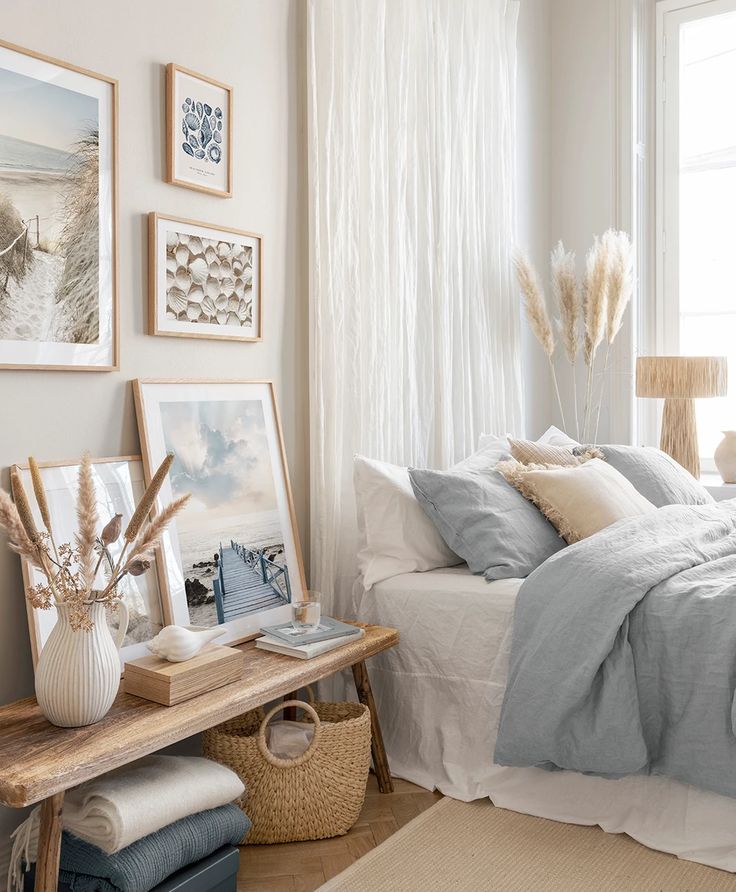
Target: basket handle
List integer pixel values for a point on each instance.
(308, 752)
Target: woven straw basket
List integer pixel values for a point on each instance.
(313, 796)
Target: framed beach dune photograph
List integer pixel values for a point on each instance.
(232, 557)
(204, 281)
(58, 251)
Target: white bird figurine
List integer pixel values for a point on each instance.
(178, 644)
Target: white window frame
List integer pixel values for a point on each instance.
(670, 15)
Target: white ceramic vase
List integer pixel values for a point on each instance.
(78, 672)
(725, 457)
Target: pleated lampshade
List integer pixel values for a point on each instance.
(679, 380)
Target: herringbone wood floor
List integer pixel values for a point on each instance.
(304, 866)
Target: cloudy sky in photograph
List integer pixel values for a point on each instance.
(221, 458)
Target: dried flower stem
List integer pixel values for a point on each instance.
(567, 298)
(149, 498)
(39, 491)
(88, 521)
(537, 316)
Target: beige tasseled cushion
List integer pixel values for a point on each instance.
(577, 500)
(528, 452)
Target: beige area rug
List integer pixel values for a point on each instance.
(474, 847)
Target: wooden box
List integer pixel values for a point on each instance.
(154, 678)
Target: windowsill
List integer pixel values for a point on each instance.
(717, 488)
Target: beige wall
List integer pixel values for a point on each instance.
(251, 44)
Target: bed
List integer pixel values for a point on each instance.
(440, 696)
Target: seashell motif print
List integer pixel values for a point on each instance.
(176, 300)
(201, 127)
(199, 270)
(208, 306)
(196, 294)
(183, 278)
(208, 281)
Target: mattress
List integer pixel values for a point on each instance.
(439, 695)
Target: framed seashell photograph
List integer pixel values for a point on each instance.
(199, 131)
(204, 281)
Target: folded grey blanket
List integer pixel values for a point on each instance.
(623, 658)
(146, 863)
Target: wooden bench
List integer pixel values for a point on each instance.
(39, 762)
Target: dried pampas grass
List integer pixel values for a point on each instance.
(536, 314)
(600, 305)
(87, 521)
(534, 303)
(565, 290)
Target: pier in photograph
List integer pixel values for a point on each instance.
(247, 581)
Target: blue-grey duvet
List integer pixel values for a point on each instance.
(624, 653)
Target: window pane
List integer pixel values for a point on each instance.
(711, 335)
(707, 208)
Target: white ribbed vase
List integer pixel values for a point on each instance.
(78, 672)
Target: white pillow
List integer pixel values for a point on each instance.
(397, 536)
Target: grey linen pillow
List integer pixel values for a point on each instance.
(485, 521)
(656, 475)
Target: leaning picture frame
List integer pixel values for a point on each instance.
(119, 484)
(58, 215)
(232, 558)
(199, 132)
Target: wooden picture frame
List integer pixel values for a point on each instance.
(229, 473)
(73, 320)
(204, 281)
(120, 482)
(189, 93)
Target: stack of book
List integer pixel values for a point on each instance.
(329, 634)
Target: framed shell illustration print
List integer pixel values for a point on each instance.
(204, 281)
(199, 127)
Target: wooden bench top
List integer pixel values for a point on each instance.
(38, 760)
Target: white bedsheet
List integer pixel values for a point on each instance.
(439, 695)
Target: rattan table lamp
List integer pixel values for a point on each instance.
(679, 380)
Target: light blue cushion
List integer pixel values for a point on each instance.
(656, 475)
(485, 521)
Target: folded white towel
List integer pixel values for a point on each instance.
(125, 805)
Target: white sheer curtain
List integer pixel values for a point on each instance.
(414, 326)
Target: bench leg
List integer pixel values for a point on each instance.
(365, 695)
(49, 844)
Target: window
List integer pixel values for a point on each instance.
(696, 194)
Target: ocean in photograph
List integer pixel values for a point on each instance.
(199, 547)
(49, 212)
(222, 458)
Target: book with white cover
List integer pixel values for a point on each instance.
(305, 651)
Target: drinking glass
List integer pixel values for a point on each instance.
(306, 613)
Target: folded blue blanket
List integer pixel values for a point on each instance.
(146, 863)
